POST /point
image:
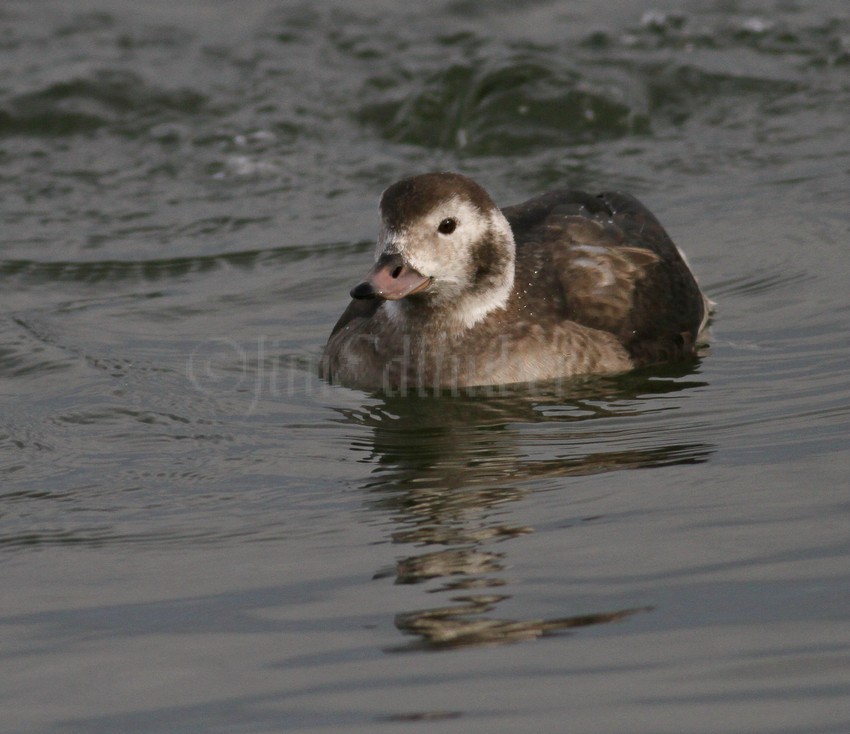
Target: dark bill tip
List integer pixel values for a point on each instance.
(363, 290)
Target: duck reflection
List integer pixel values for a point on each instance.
(446, 466)
(458, 626)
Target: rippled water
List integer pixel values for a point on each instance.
(197, 534)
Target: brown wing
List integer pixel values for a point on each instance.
(616, 267)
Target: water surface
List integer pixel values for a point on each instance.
(199, 535)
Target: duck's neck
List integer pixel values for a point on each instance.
(471, 308)
(451, 316)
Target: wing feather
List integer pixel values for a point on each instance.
(616, 267)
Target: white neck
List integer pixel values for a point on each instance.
(455, 316)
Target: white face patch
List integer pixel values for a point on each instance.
(444, 257)
(449, 257)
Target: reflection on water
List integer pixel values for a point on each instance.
(456, 626)
(444, 465)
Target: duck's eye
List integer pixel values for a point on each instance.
(447, 226)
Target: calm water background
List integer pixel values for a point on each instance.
(197, 535)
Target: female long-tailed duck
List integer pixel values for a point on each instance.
(464, 294)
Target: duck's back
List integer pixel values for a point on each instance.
(605, 262)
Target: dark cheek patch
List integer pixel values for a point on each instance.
(487, 261)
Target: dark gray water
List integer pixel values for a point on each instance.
(197, 535)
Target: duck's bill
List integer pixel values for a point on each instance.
(390, 279)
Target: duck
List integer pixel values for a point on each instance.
(463, 294)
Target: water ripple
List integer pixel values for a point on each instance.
(81, 105)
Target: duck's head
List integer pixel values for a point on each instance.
(445, 246)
